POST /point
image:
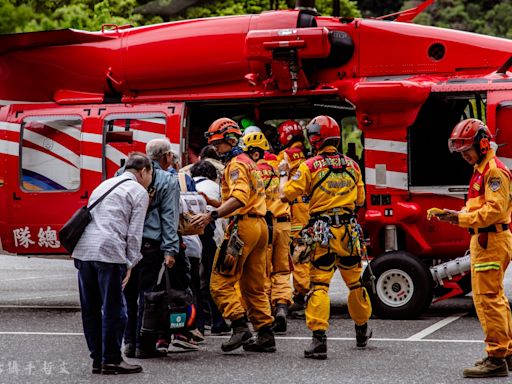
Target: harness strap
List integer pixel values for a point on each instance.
(319, 284)
(331, 170)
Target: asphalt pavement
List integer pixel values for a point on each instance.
(42, 342)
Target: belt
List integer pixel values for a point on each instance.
(252, 215)
(490, 228)
(302, 199)
(283, 219)
(334, 217)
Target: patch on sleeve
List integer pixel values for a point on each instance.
(234, 175)
(297, 175)
(494, 183)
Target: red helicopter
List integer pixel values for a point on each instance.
(74, 103)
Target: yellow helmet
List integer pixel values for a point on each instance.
(255, 140)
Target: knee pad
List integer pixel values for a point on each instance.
(325, 262)
(349, 262)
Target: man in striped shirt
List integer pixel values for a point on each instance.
(108, 249)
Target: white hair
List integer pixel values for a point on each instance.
(156, 148)
(176, 159)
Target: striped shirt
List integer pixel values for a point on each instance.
(115, 233)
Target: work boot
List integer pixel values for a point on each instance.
(318, 346)
(363, 334)
(508, 360)
(488, 367)
(240, 336)
(264, 342)
(280, 322)
(298, 307)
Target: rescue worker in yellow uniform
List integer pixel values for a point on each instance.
(242, 256)
(335, 186)
(291, 138)
(280, 290)
(487, 217)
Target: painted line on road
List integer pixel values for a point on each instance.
(284, 338)
(436, 326)
(41, 333)
(382, 339)
(56, 277)
(14, 306)
(42, 297)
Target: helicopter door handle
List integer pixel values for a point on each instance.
(15, 197)
(85, 196)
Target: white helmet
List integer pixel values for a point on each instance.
(251, 129)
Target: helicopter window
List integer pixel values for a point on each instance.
(352, 142)
(126, 133)
(50, 153)
(430, 161)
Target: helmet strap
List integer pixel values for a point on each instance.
(253, 151)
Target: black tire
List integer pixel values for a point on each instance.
(404, 286)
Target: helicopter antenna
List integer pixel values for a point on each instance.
(505, 67)
(408, 15)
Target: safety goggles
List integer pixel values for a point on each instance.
(209, 134)
(460, 145)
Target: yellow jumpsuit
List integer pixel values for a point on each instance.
(489, 206)
(338, 192)
(242, 181)
(299, 218)
(278, 289)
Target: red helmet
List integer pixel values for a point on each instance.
(221, 128)
(321, 129)
(467, 133)
(288, 130)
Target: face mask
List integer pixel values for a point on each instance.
(235, 151)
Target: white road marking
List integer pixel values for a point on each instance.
(42, 333)
(435, 327)
(283, 338)
(40, 297)
(56, 277)
(40, 306)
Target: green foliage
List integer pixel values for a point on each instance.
(480, 16)
(347, 8)
(42, 15)
(488, 17)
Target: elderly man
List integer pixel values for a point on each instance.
(107, 250)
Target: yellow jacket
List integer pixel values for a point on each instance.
(298, 208)
(339, 190)
(489, 196)
(242, 181)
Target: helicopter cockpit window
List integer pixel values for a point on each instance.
(430, 162)
(50, 153)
